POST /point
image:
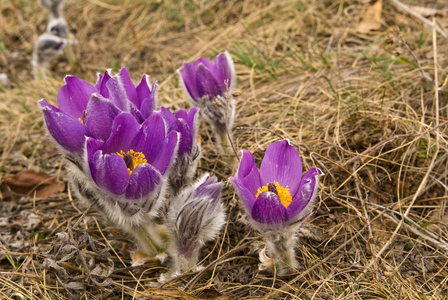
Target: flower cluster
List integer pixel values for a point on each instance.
(123, 154)
(137, 162)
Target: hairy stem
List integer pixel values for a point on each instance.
(280, 247)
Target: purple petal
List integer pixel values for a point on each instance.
(282, 163)
(186, 136)
(124, 129)
(210, 187)
(151, 137)
(188, 77)
(205, 61)
(117, 93)
(231, 69)
(146, 109)
(192, 117)
(305, 194)
(101, 84)
(206, 83)
(143, 90)
(74, 95)
(166, 153)
(268, 209)
(221, 71)
(93, 146)
(147, 97)
(181, 114)
(66, 130)
(143, 180)
(100, 114)
(246, 197)
(129, 86)
(211, 179)
(136, 113)
(167, 116)
(109, 171)
(248, 174)
(59, 45)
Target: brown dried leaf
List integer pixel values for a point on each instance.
(211, 294)
(31, 182)
(371, 17)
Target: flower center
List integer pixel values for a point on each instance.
(83, 118)
(282, 192)
(132, 159)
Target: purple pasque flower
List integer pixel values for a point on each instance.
(277, 195)
(196, 216)
(206, 79)
(131, 166)
(189, 151)
(208, 85)
(47, 49)
(88, 110)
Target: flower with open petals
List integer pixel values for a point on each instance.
(277, 198)
(188, 155)
(208, 85)
(87, 110)
(277, 195)
(131, 166)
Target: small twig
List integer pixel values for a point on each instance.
(415, 58)
(84, 213)
(364, 210)
(226, 82)
(420, 17)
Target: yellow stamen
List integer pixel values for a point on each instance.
(132, 159)
(83, 118)
(282, 192)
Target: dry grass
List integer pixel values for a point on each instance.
(370, 110)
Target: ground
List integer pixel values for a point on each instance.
(368, 107)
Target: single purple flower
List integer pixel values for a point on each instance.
(196, 216)
(131, 165)
(277, 195)
(47, 49)
(277, 198)
(209, 85)
(91, 110)
(189, 151)
(209, 79)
